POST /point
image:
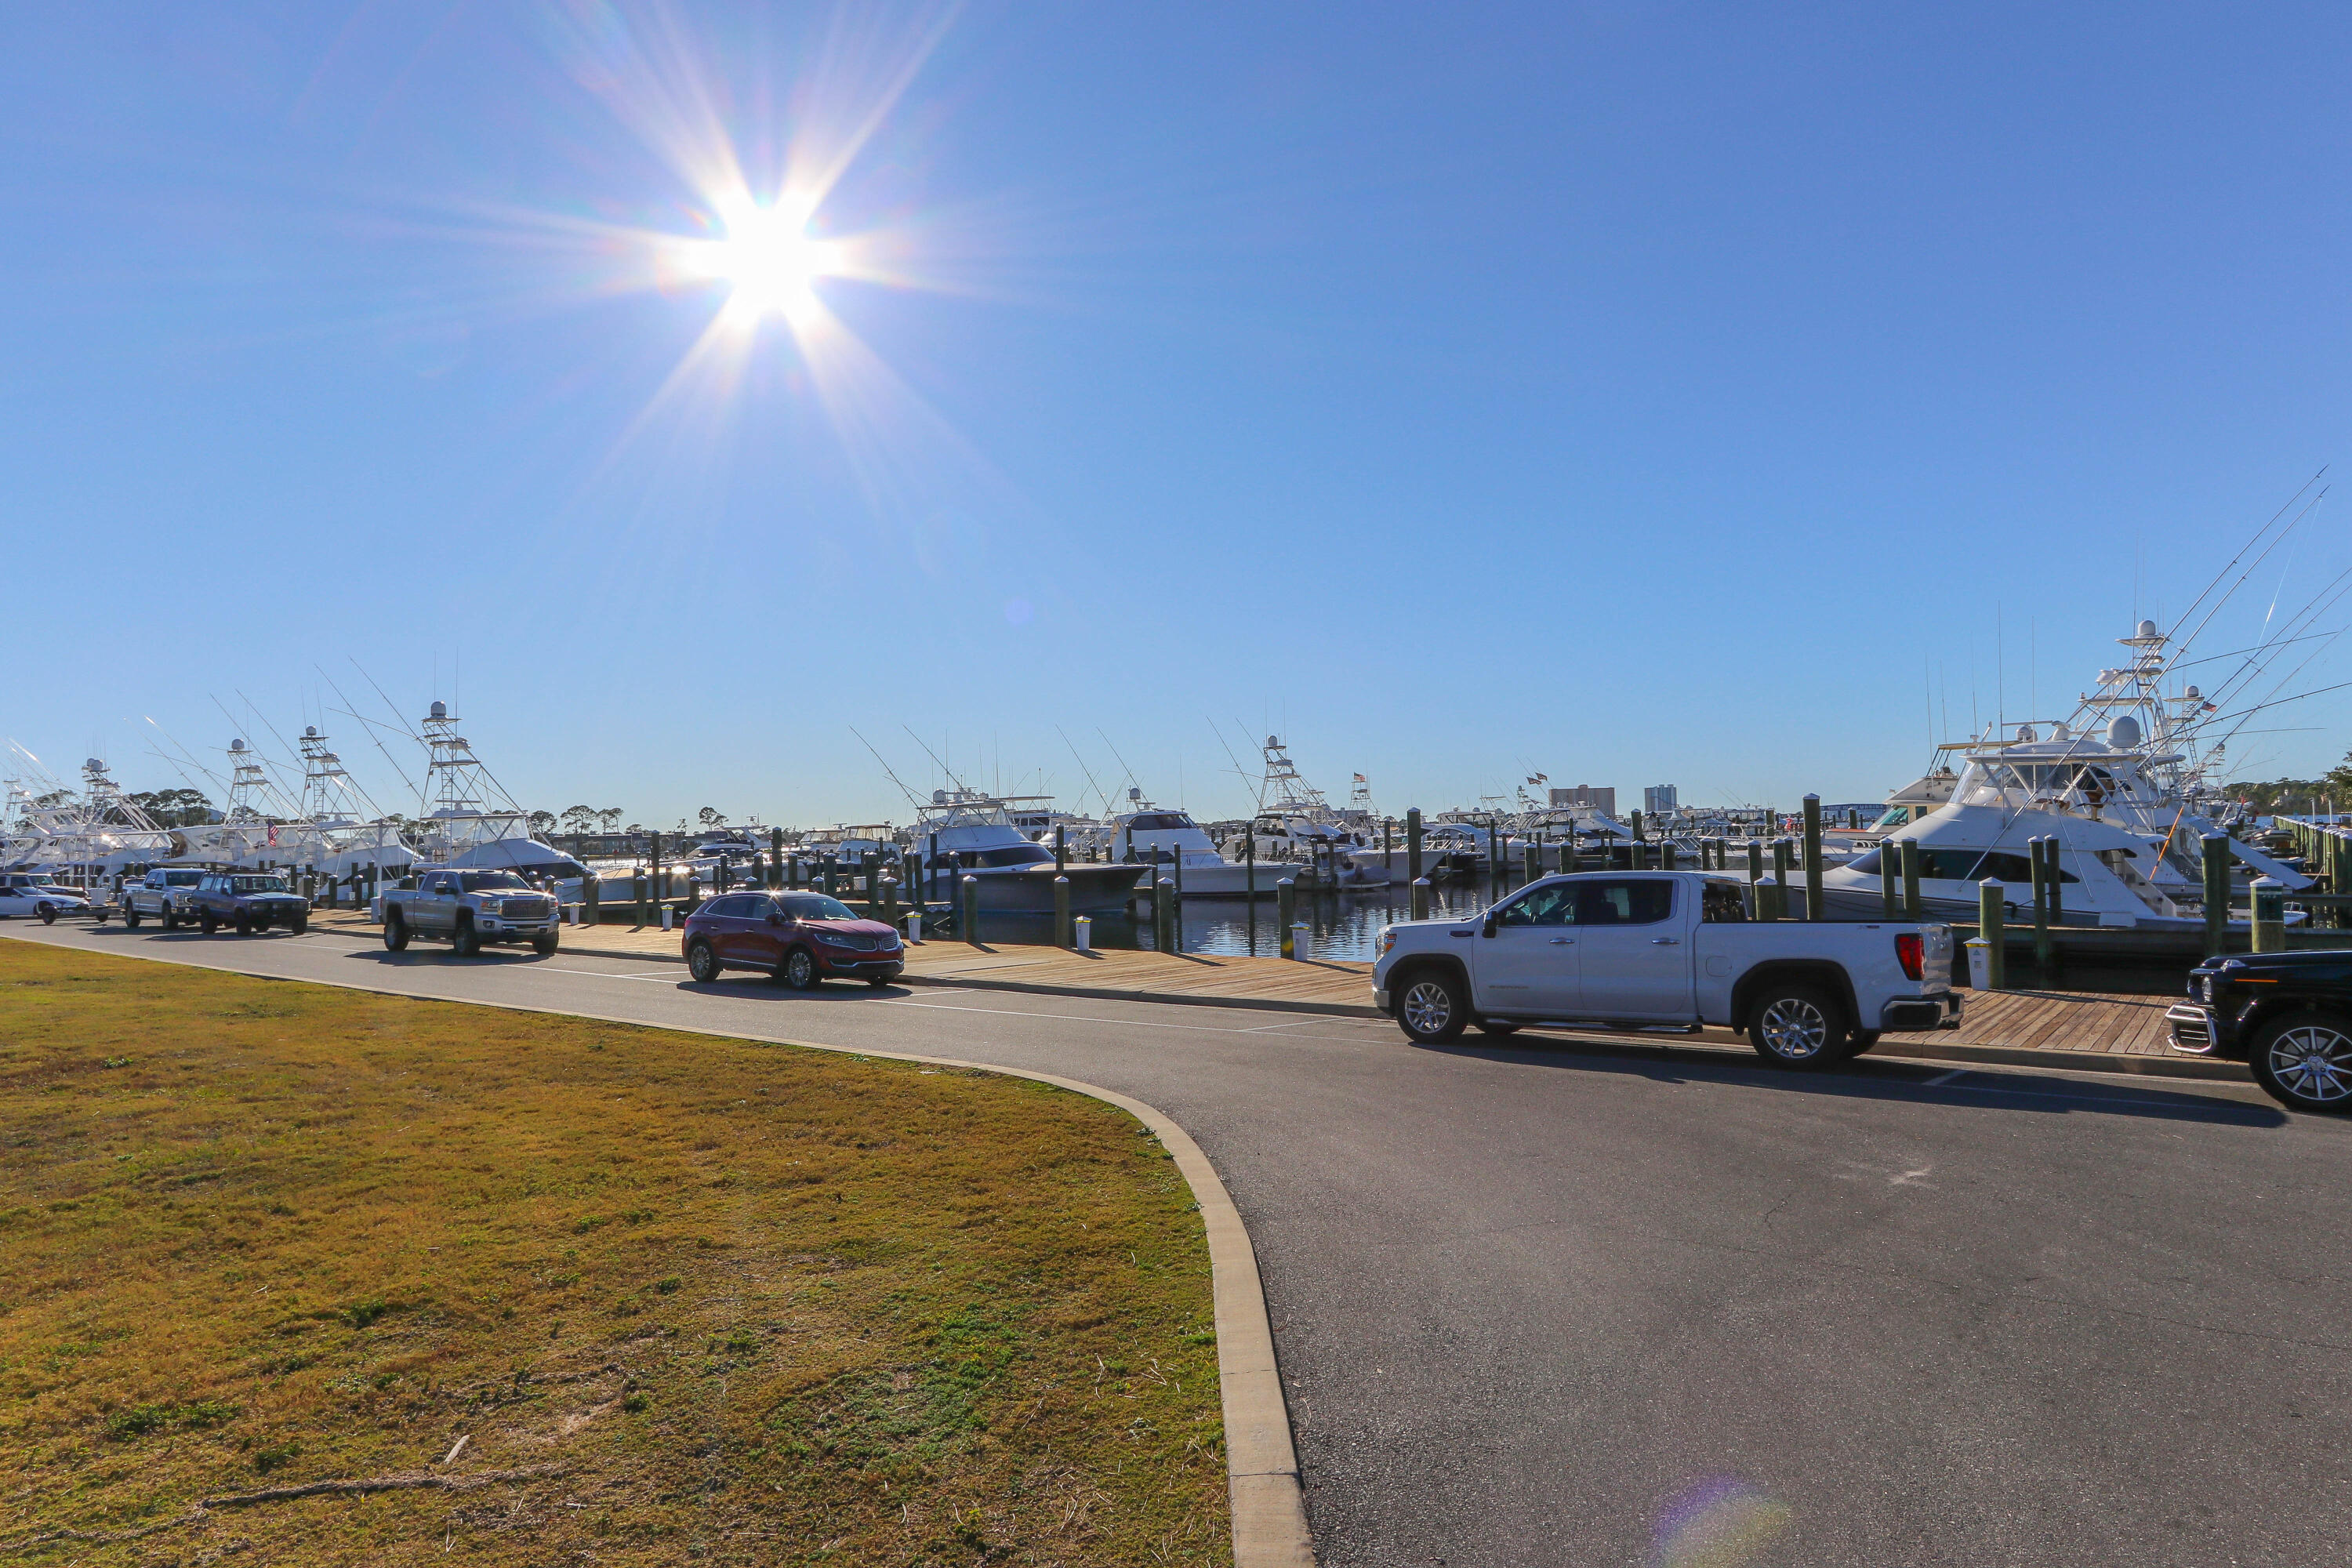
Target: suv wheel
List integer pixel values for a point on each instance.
(298, 924)
(798, 970)
(395, 930)
(244, 923)
(208, 923)
(1432, 1009)
(1797, 1026)
(2305, 1062)
(701, 962)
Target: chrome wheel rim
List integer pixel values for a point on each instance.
(1428, 1007)
(702, 963)
(798, 969)
(1794, 1029)
(2314, 1063)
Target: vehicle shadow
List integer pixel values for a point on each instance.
(1866, 1077)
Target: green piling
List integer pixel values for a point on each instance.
(1421, 897)
(1990, 895)
(1890, 903)
(2044, 877)
(1061, 909)
(2269, 915)
(1412, 846)
(2216, 847)
(972, 909)
(1911, 879)
(775, 857)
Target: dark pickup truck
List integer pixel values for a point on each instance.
(2287, 1016)
(246, 901)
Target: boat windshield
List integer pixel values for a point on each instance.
(1158, 821)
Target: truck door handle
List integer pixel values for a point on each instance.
(1464, 935)
(1563, 942)
(1666, 941)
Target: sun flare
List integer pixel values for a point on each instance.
(768, 261)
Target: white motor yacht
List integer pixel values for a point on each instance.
(1172, 840)
(962, 833)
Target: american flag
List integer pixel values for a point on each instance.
(1361, 779)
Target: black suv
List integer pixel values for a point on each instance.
(248, 901)
(2287, 1016)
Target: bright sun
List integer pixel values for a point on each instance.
(771, 263)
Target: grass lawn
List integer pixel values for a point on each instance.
(665, 1297)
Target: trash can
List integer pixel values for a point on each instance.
(1083, 937)
(1979, 963)
(1298, 939)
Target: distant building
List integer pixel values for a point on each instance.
(1658, 800)
(1585, 797)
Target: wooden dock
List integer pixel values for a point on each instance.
(2072, 1029)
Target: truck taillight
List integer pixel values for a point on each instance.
(1911, 951)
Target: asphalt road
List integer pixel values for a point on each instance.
(1553, 1304)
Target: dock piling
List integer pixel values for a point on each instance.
(1412, 847)
(1061, 909)
(972, 909)
(2216, 847)
(2269, 914)
(1889, 905)
(1812, 857)
(1910, 878)
(1990, 899)
(1421, 897)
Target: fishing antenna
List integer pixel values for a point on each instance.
(1239, 772)
(2240, 555)
(944, 769)
(1085, 770)
(1133, 782)
(886, 768)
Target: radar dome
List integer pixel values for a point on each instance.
(237, 746)
(2059, 732)
(2026, 732)
(2123, 732)
(440, 710)
(939, 796)
(2194, 695)
(309, 731)
(2148, 628)
(93, 766)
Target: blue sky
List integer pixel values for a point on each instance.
(1735, 397)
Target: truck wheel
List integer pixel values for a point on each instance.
(466, 942)
(170, 921)
(798, 970)
(243, 924)
(543, 945)
(131, 919)
(1797, 1026)
(395, 930)
(701, 962)
(1498, 1028)
(1432, 1009)
(208, 923)
(2304, 1062)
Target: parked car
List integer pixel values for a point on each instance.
(1666, 948)
(246, 901)
(468, 908)
(800, 939)
(2287, 1016)
(166, 893)
(41, 900)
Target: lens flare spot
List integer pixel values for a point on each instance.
(768, 260)
(1720, 1522)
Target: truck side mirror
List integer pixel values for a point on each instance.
(1488, 929)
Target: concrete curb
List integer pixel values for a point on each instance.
(1269, 1507)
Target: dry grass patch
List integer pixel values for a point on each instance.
(558, 1289)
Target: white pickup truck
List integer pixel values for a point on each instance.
(1666, 948)
(469, 908)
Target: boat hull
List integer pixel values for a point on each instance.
(1029, 891)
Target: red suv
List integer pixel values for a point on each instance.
(801, 939)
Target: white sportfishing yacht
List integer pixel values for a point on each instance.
(1171, 843)
(1294, 823)
(474, 823)
(2115, 798)
(965, 834)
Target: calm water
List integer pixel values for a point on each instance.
(1341, 925)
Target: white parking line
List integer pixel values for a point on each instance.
(1947, 1077)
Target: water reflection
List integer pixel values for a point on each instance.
(1341, 925)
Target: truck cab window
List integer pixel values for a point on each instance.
(1554, 905)
(1625, 901)
(1722, 903)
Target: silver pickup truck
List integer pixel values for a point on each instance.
(1666, 948)
(164, 893)
(467, 909)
